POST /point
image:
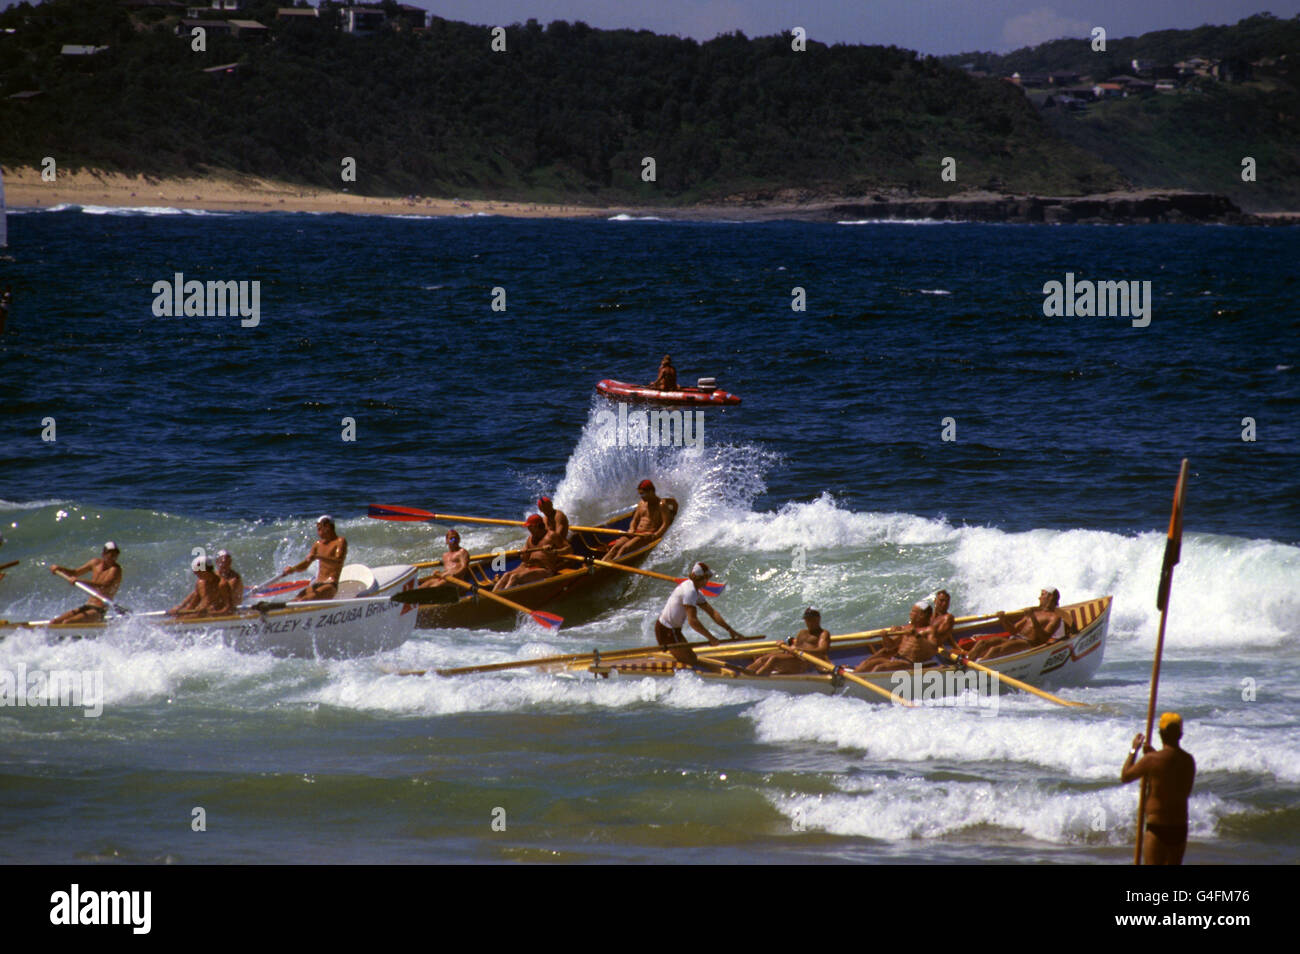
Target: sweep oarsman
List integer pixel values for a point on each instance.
(105, 576)
(681, 608)
(331, 551)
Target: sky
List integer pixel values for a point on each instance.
(935, 27)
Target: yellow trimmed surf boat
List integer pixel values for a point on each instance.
(1072, 660)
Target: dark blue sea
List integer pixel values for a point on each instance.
(832, 483)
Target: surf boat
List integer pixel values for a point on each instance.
(704, 394)
(574, 580)
(1072, 660)
(362, 619)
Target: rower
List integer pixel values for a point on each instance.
(667, 380)
(680, 608)
(1171, 772)
(105, 576)
(942, 622)
(230, 578)
(1042, 625)
(537, 559)
(914, 645)
(648, 522)
(210, 596)
(812, 639)
(557, 525)
(455, 565)
(332, 552)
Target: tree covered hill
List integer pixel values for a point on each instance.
(568, 112)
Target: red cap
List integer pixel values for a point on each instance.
(646, 485)
(542, 500)
(535, 521)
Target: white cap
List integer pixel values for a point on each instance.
(199, 564)
(110, 545)
(923, 605)
(222, 553)
(701, 570)
(324, 518)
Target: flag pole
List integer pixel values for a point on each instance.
(1173, 547)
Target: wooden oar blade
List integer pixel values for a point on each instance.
(549, 620)
(426, 596)
(387, 512)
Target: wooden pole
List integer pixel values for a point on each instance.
(1173, 547)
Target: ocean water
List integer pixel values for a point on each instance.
(831, 484)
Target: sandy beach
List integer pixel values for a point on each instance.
(229, 192)
(24, 188)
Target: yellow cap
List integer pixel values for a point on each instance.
(1170, 718)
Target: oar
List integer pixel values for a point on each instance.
(549, 620)
(755, 642)
(1014, 683)
(472, 557)
(956, 620)
(415, 515)
(272, 588)
(5, 566)
(711, 588)
(426, 595)
(94, 592)
(850, 676)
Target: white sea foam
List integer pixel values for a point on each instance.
(1027, 730)
(899, 809)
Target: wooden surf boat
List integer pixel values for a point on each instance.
(573, 580)
(360, 621)
(688, 397)
(1069, 661)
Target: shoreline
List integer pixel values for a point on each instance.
(230, 193)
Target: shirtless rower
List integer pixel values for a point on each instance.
(455, 565)
(537, 559)
(230, 578)
(1038, 626)
(812, 639)
(332, 552)
(914, 645)
(942, 622)
(667, 380)
(210, 596)
(557, 525)
(647, 523)
(105, 576)
(681, 608)
(1170, 773)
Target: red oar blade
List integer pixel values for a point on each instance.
(386, 512)
(272, 588)
(711, 588)
(549, 620)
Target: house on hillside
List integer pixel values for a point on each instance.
(76, 49)
(363, 21)
(1233, 70)
(1063, 78)
(1029, 80)
(210, 27)
(297, 13)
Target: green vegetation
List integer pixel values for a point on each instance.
(568, 113)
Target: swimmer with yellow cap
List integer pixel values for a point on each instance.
(1170, 773)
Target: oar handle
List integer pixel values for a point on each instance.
(86, 588)
(427, 564)
(5, 566)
